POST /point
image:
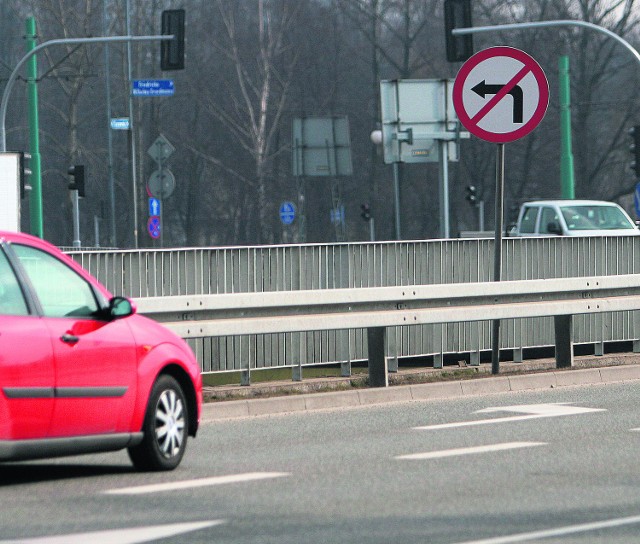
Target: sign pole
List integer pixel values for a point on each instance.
(497, 253)
(500, 95)
(443, 151)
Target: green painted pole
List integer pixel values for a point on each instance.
(35, 196)
(567, 180)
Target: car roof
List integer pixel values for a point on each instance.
(11, 236)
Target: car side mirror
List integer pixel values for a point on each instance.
(553, 227)
(120, 307)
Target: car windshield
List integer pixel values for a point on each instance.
(595, 218)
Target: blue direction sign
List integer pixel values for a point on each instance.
(120, 123)
(636, 200)
(153, 87)
(154, 206)
(153, 227)
(287, 213)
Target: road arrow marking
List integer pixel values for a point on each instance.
(200, 482)
(135, 535)
(531, 411)
(483, 88)
(470, 451)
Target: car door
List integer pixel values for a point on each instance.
(549, 221)
(26, 362)
(95, 359)
(528, 221)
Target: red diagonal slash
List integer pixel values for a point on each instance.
(500, 95)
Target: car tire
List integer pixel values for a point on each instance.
(165, 428)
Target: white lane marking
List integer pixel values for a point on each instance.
(121, 536)
(201, 482)
(469, 451)
(531, 411)
(560, 531)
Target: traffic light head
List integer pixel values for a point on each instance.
(25, 172)
(457, 14)
(366, 212)
(77, 179)
(472, 196)
(172, 51)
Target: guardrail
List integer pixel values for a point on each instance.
(282, 269)
(377, 308)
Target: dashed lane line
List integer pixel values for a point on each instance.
(200, 482)
(470, 451)
(559, 531)
(135, 535)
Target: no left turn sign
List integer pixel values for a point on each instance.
(500, 94)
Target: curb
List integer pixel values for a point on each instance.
(308, 402)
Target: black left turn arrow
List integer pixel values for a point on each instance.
(483, 88)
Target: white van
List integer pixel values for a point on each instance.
(573, 218)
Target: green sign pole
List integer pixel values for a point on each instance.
(35, 197)
(566, 154)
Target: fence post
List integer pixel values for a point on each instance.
(376, 347)
(563, 325)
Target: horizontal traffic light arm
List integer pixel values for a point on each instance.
(547, 24)
(63, 41)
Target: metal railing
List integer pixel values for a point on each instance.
(318, 267)
(377, 308)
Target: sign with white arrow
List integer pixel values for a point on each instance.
(528, 411)
(501, 94)
(154, 206)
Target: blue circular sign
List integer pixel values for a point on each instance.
(287, 213)
(153, 226)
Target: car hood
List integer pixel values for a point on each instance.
(605, 232)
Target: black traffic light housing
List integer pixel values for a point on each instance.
(77, 179)
(457, 14)
(172, 51)
(634, 148)
(366, 212)
(472, 196)
(25, 172)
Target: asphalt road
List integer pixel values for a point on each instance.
(556, 465)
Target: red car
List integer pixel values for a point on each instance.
(81, 372)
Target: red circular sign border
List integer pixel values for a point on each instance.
(154, 220)
(535, 69)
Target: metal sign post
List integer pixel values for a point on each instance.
(500, 94)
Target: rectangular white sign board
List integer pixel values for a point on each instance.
(10, 191)
(423, 109)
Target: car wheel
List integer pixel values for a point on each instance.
(165, 428)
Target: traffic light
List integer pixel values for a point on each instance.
(457, 14)
(25, 172)
(634, 148)
(77, 179)
(471, 194)
(172, 51)
(366, 212)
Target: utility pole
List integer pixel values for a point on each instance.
(35, 196)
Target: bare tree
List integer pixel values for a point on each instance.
(260, 65)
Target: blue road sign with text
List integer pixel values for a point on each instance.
(153, 87)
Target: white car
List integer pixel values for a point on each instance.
(573, 218)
